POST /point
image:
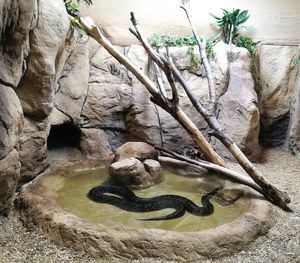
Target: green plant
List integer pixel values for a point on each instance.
(248, 43)
(230, 23)
(190, 41)
(72, 8)
(195, 60)
(168, 41)
(296, 61)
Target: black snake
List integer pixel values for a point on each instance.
(125, 199)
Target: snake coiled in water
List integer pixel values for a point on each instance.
(124, 198)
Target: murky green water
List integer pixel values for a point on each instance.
(73, 189)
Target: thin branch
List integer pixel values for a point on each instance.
(216, 168)
(202, 51)
(160, 81)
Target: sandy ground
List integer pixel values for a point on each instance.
(281, 244)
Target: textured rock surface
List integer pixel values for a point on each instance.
(11, 120)
(17, 19)
(294, 129)
(154, 169)
(237, 108)
(94, 143)
(116, 103)
(9, 176)
(33, 148)
(73, 83)
(135, 165)
(138, 150)
(11, 124)
(276, 98)
(47, 42)
(130, 172)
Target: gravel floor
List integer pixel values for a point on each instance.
(281, 244)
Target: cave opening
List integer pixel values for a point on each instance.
(64, 135)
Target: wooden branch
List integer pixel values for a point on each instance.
(216, 168)
(278, 197)
(202, 51)
(160, 81)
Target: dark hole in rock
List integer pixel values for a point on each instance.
(64, 135)
(276, 133)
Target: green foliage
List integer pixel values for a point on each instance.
(190, 41)
(296, 61)
(248, 43)
(168, 41)
(195, 60)
(72, 8)
(73, 11)
(230, 23)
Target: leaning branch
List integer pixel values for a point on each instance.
(202, 51)
(278, 197)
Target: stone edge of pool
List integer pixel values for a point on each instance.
(135, 243)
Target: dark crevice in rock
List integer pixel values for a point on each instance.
(4, 83)
(276, 133)
(64, 135)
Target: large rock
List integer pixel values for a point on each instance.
(11, 120)
(33, 148)
(11, 124)
(153, 167)
(138, 150)
(47, 41)
(94, 143)
(275, 99)
(9, 176)
(73, 84)
(17, 19)
(130, 172)
(237, 108)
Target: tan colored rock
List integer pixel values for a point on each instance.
(33, 149)
(105, 106)
(279, 72)
(138, 150)
(130, 172)
(153, 167)
(94, 143)
(275, 100)
(9, 176)
(73, 84)
(18, 18)
(48, 39)
(58, 118)
(238, 109)
(11, 120)
(228, 196)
